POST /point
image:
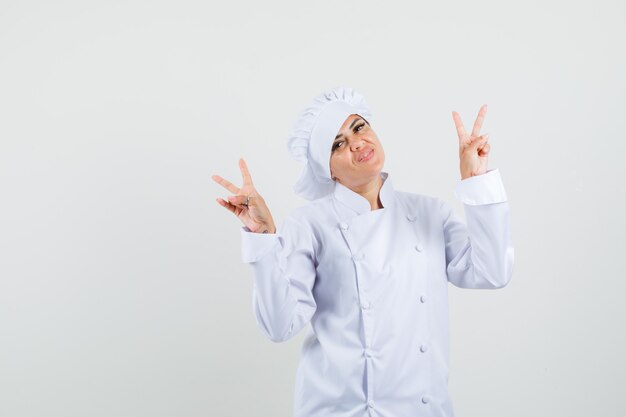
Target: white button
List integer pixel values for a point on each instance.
(365, 305)
(419, 247)
(425, 399)
(368, 353)
(423, 299)
(410, 217)
(343, 225)
(358, 256)
(370, 404)
(423, 348)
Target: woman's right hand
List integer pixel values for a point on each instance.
(256, 216)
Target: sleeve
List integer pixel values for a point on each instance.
(479, 254)
(283, 266)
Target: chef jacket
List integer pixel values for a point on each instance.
(373, 285)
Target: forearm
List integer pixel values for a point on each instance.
(275, 303)
(284, 273)
(486, 259)
(480, 253)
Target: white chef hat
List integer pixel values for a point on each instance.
(313, 134)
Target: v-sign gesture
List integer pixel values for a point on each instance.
(473, 149)
(247, 204)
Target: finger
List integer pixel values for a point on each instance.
(460, 130)
(247, 179)
(237, 200)
(228, 206)
(226, 184)
(478, 141)
(485, 150)
(474, 139)
(479, 120)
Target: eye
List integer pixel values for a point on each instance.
(358, 127)
(336, 145)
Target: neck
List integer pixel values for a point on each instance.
(371, 192)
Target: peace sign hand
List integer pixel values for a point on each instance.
(473, 149)
(255, 214)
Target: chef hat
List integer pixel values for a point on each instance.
(313, 134)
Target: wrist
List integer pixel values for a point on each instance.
(469, 174)
(267, 229)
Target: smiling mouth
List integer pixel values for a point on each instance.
(367, 156)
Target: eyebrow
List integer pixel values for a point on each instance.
(351, 124)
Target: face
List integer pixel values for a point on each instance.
(356, 156)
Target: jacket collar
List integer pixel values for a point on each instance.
(357, 202)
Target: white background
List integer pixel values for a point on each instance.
(122, 290)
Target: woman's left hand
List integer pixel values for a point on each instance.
(473, 149)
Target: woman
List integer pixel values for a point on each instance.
(368, 266)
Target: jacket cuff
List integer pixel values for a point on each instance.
(256, 245)
(486, 188)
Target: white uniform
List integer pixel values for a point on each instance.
(373, 285)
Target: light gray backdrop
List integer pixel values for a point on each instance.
(122, 291)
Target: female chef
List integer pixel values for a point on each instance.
(368, 266)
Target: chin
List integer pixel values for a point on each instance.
(377, 166)
(370, 173)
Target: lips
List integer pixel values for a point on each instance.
(366, 155)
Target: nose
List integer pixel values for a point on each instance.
(357, 144)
